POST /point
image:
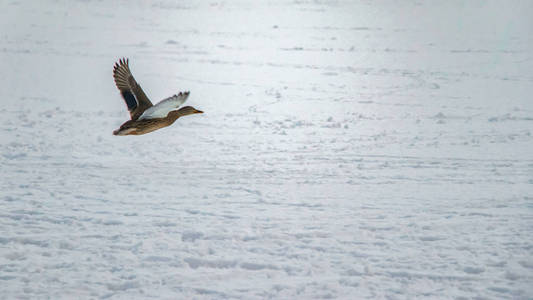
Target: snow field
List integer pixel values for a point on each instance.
(348, 150)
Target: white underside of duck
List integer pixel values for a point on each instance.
(161, 109)
(124, 132)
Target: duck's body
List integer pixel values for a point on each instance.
(146, 117)
(143, 126)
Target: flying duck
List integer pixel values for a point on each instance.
(146, 117)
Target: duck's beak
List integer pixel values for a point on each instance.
(199, 112)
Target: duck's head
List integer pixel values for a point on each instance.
(189, 110)
(184, 111)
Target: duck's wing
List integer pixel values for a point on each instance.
(161, 109)
(130, 90)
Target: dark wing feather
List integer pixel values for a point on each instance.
(129, 99)
(130, 90)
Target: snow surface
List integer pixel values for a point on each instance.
(348, 149)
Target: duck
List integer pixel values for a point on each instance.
(146, 117)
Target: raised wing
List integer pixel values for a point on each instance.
(130, 90)
(161, 109)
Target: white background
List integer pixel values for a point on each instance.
(348, 149)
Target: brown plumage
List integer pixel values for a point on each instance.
(138, 127)
(146, 117)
